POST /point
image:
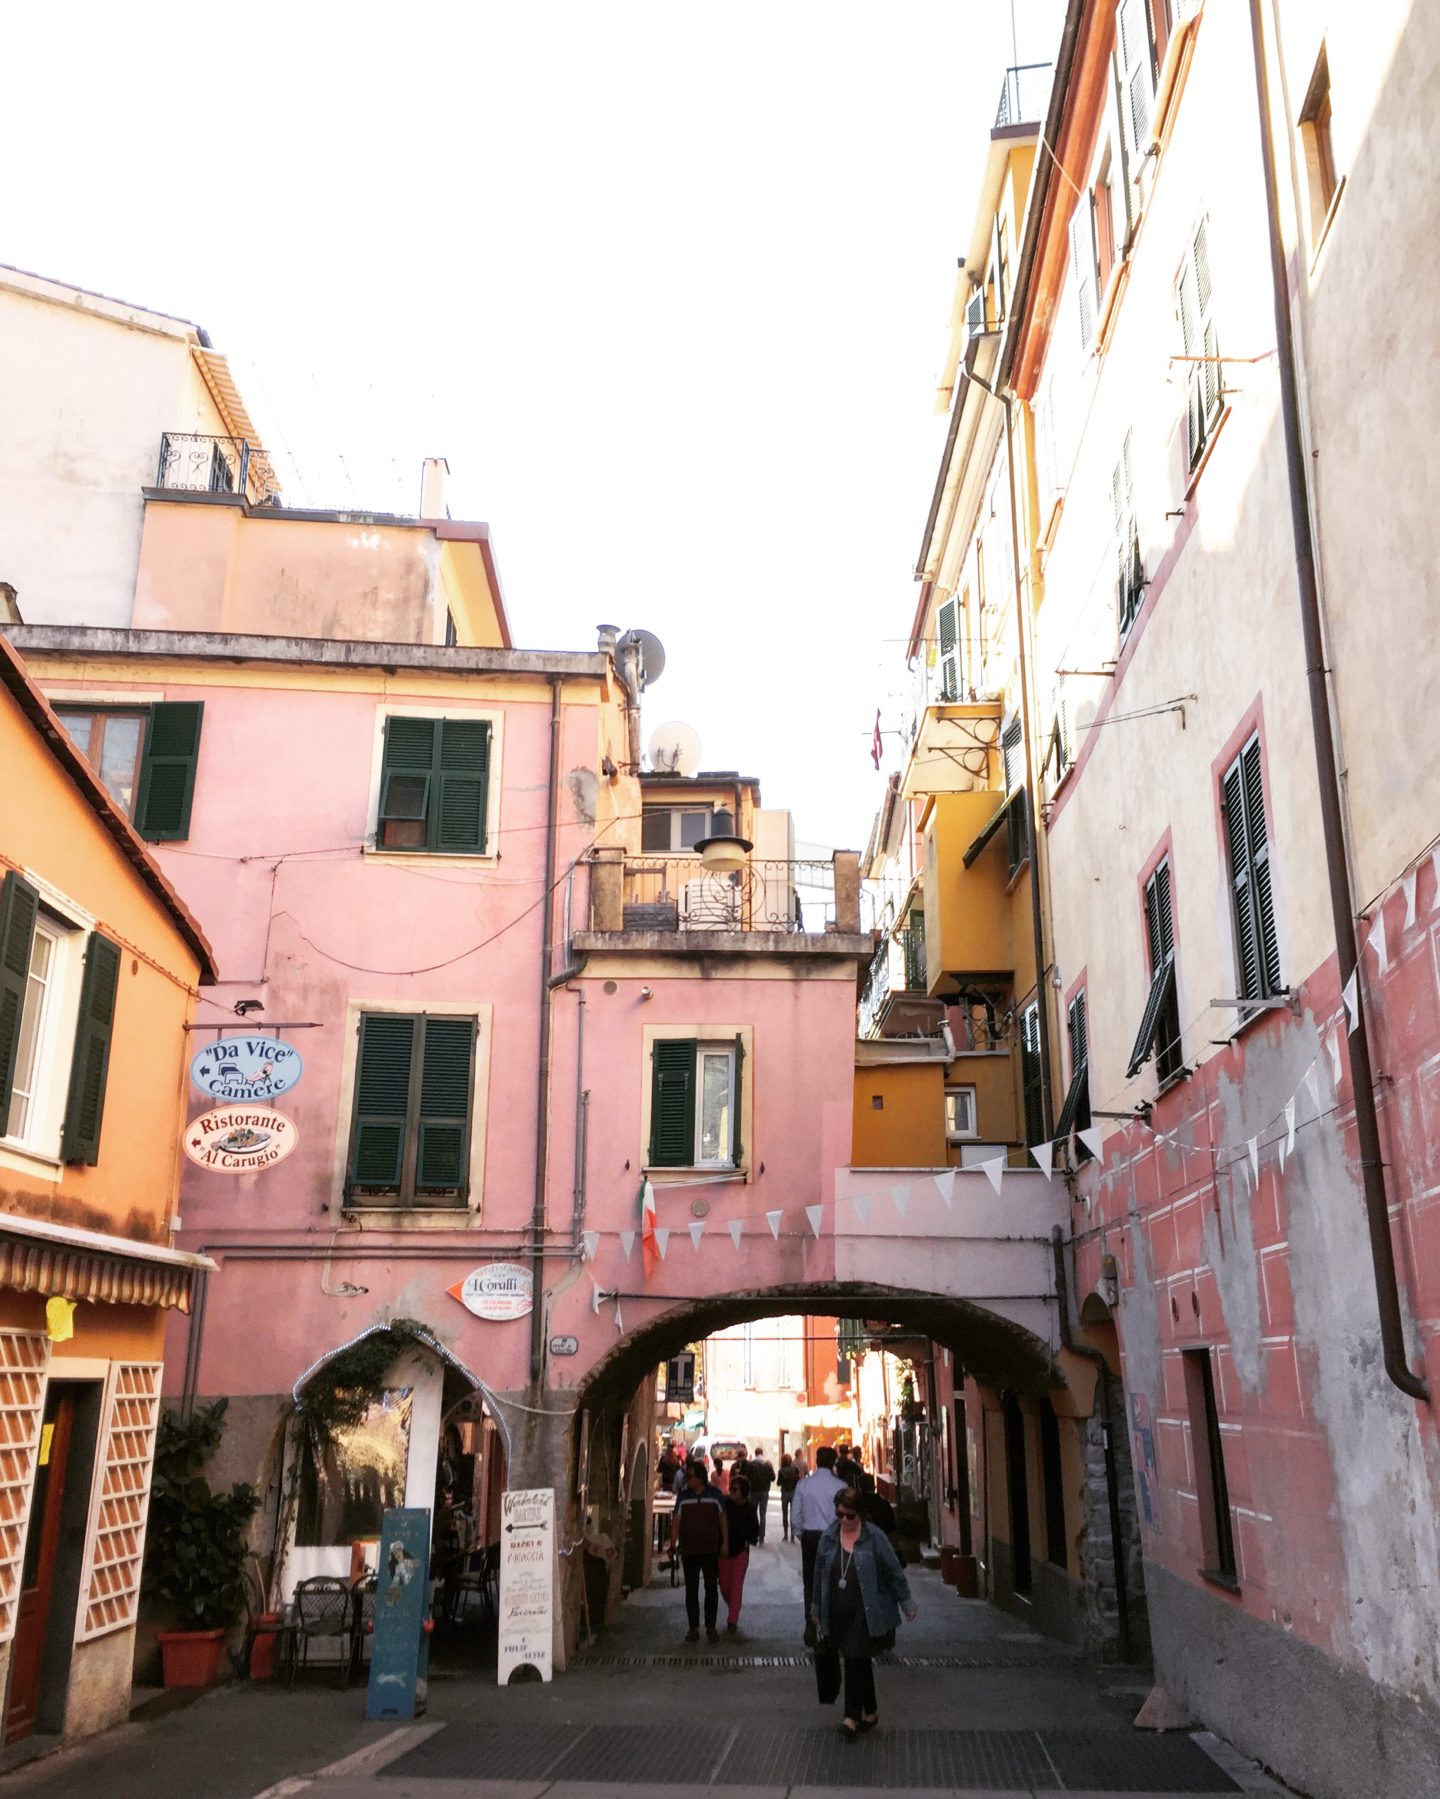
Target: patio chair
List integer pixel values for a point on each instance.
(260, 1621)
(324, 1607)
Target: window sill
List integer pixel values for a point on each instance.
(30, 1161)
(358, 1212)
(1217, 1577)
(451, 858)
(715, 1171)
(1172, 1080)
(1244, 1021)
(1192, 480)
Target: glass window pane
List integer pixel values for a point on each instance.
(120, 758)
(693, 826)
(655, 830)
(42, 952)
(714, 1107)
(78, 725)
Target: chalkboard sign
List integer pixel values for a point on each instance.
(527, 1583)
(399, 1654)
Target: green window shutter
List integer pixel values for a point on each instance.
(1030, 1074)
(672, 1103)
(446, 1081)
(167, 770)
(737, 1143)
(1082, 265)
(947, 625)
(19, 908)
(1242, 882)
(457, 824)
(85, 1103)
(1269, 942)
(382, 1100)
(406, 770)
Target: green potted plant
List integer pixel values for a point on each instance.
(195, 1545)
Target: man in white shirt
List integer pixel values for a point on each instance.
(812, 1512)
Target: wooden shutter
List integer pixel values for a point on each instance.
(1030, 1074)
(19, 908)
(1012, 745)
(167, 770)
(446, 1082)
(1137, 79)
(382, 1100)
(737, 1142)
(85, 1105)
(1082, 265)
(672, 1103)
(458, 821)
(947, 625)
(1260, 864)
(1209, 343)
(1247, 948)
(406, 771)
(1257, 947)
(1160, 1002)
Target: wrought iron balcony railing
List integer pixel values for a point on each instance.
(678, 893)
(898, 967)
(193, 462)
(1025, 95)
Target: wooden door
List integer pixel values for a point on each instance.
(41, 1542)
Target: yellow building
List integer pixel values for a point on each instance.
(99, 967)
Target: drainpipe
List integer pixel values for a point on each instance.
(542, 1079)
(1107, 1433)
(1342, 905)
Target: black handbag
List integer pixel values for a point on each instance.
(827, 1671)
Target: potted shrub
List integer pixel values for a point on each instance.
(195, 1545)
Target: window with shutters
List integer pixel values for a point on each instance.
(1075, 1113)
(414, 1088)
(1318, 149)
(1257, 945)
(435, 786)
(1130, 575)
(1031, 1084)
(696, 1089)
(1106, 244)
(1194, 306)
(1159, 1033)
(116, 1542)
(1136, 68)
(145, 757)
(947, 629)
(24, 1361)
(1083, 272)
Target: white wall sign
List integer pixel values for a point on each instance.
(240, 1139)
(527, 1582)
(498, 1291)
(251, 1068)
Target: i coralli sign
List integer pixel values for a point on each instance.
(249, 1068)
(500, 1291)
(240, 1139)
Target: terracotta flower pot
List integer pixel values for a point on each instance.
(967, 1576)
(190, 1657)
(949, 1557)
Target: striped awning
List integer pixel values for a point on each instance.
(103, 1269)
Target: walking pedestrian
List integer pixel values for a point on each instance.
(741, 1532)
(699, 1533)
(812, 1512)
(787, 1480)
(720, 1478)
(860, 1591)
(762, 1477)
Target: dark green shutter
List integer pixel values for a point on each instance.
(672, 1103)
(458, 821)
(737, 1143)
(442, 1161)
(382, 1100)
(1247, 949)
(19, 908)
(167, 770)
(407, 770)
(1030, 1085)
(85, 1105)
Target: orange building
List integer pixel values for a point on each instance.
(99, 968)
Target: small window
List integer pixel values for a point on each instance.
(414, 1085)
(1207, 1448)
(1135, 54)
(1159, 1033)
(1075, 1113)
(1031, 1081)
(947, 627)
(1257, 946)
(1083, 272)
(961, 1117)
(668, 830)
(1017, 833)
(435, 786)
(1194, 305)
(1106, 246)
(695, 1091)
(1319, 149)
(37, 1019)
(145, 758)
(1130, 579)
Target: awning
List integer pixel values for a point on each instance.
(56, 1259)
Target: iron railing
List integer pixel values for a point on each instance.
(679, 893)
(898, 966)
(1025, 94)
(194, 462)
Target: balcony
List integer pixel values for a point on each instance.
(1025, 94)
(973, 855)
(954, 743)
(192, 462)
(894, 1002)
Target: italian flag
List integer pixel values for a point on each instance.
(649, 1248)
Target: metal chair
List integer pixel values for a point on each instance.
(324, 1607)
(261, 1621)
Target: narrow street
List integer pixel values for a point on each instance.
(974, 1703)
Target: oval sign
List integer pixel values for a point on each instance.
(249, 1068)
(240, 1139)
(564, 1346)
(500, 1291)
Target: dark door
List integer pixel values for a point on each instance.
(1019, 1493)
(42, 1541)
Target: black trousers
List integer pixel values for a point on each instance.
(784, 1513)
(809, 1547)
(698, 1568)
(859, 1687)
(761, 1506)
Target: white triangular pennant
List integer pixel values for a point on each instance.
(697, 1231)
(1332, 1043)
(1253, 1150)
(861, 1203)
(591, 1240)
(1378, 942)
(945, 1184)
(901, 1196)
(595, 1299)
(1283, 1153)
(1351, 997)
(773, 1220)
(1289, 1128)
(815, 1214)
(1311, 1084)
(1435, 871)
(619, 1321)
(1094, 1140)
(735, 1226)
(627, 1244)
(994, 1170)
(1408, 886)
(1044, 1154)
(662, 1239)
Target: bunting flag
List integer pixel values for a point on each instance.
(591, 1240)
(1332, 1043)
(1311, 1083)
(901, 1196)
(627, 1244)
(1351, 997)
(994, 1170)
(1253, 1150)
(861, 1203)
(662, 1241)
(697, 1231)
(1094, 1140)
(1409, 884)
(815, 1214)
(1044, 1155)
(1283, 1154)
(619, 1321)
(1290, 1126)
(1377, 942)
(1435, 870)
(736, 1226)
(773, 1220)
(945, 1185)
(595, 1298)
(650, 1250)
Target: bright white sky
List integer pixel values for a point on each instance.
(667, 284)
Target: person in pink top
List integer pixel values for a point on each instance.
(718, 1476)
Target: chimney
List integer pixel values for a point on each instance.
(434, 471)
(9, 606)
(606, 635)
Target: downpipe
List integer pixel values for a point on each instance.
(542, 1079)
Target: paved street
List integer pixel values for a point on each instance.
(973, 1704)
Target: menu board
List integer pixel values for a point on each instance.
(527, 1583)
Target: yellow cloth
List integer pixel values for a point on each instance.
(60, 1319)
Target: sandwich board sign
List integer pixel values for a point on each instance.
(527, 1584)
(400, 1651)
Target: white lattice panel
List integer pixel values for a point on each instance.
(122, 1492)
(24, 1358)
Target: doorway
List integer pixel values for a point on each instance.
(54, 1560)
(1019, 1492)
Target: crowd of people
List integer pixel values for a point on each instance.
(853, 1581)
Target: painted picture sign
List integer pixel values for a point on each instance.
(400, 1649)
(498, 1291)
(527, 1584)
(240, 1139)
(253, 1068)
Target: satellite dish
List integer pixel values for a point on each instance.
(652, 654)
(674, 749)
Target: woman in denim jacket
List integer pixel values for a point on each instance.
(860, 1590)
